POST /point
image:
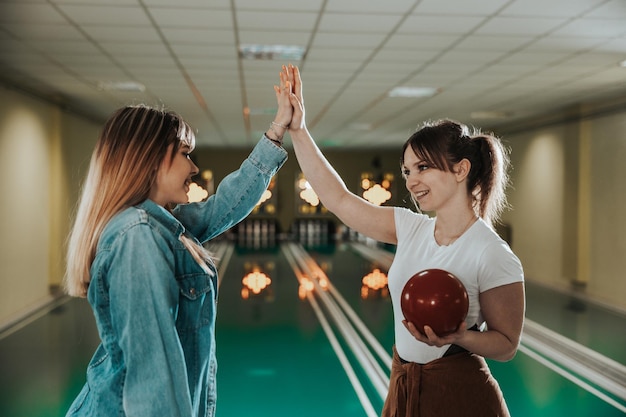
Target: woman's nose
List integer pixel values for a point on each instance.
(194, 168)
(411, 180)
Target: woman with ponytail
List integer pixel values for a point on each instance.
(459, 177)
(136, 252)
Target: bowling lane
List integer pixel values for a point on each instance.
(274, 357)
(43, 360)
(590, 324)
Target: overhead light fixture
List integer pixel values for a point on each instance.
(269, 52)
(490, 115)
(124, 86)
(413, 92)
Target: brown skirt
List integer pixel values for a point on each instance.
(456, 385)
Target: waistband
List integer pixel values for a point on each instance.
(452, 349)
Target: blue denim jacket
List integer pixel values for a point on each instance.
(155, 306)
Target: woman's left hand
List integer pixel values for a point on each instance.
(285, 109)
(432, 339)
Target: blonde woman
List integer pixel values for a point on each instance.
(136, 253)
(461, 177)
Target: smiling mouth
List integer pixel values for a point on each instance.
(420, 194)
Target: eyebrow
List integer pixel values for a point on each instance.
(416, 163)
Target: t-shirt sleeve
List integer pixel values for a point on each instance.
(499, 266)
(408, 223)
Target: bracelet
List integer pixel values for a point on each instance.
(279, 125)
(278, 137)
(278, 143)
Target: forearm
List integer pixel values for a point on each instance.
(490, 344)
(236, 195)
(327, 184)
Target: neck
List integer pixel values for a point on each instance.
(448, 232)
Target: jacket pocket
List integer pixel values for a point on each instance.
(196, 302)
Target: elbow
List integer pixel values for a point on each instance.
(508, 354)
(506, 357)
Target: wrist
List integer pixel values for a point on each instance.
(279, 128)
(274, 137)
(276, 132)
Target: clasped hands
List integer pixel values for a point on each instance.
(290, 113)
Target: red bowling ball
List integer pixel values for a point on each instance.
(436, 298)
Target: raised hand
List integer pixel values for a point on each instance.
(284, 113)
(298, 119)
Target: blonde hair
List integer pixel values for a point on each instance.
(132, 144)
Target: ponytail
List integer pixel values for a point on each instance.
(488, 177)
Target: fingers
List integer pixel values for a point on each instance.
(297, 82)
(427, 336)
(295, 101)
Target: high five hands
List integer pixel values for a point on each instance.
(291, 89)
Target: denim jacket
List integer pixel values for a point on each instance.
(155, 306)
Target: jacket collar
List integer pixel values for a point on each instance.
(163, 216)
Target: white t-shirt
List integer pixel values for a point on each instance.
(480, 259)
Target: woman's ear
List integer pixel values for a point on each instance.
(462, 169)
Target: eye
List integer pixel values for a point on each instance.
(422, 167)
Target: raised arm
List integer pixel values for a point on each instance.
(357, 213)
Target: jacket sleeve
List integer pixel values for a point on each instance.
(236, 195)
(143, 298)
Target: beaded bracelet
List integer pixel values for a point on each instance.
(279, 125)
(279, 138)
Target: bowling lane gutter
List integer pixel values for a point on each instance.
(576, 362)
(334, 342)
(331, 299)
(222, 252)
(562, 355)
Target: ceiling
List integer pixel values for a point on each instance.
(519, 58)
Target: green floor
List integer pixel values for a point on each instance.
(275, 360)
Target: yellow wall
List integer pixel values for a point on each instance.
(35, 168)
(568, 201)
(607, 245)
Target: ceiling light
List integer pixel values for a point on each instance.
(413, 92)
(260, 111)
(121, 86)
(268, 52)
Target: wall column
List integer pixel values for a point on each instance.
(584, 205)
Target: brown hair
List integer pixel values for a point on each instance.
(444, 143)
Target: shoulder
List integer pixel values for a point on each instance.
(488, 239)
(409, 222)
(130, 221)
(498, 261)
(405, 215)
